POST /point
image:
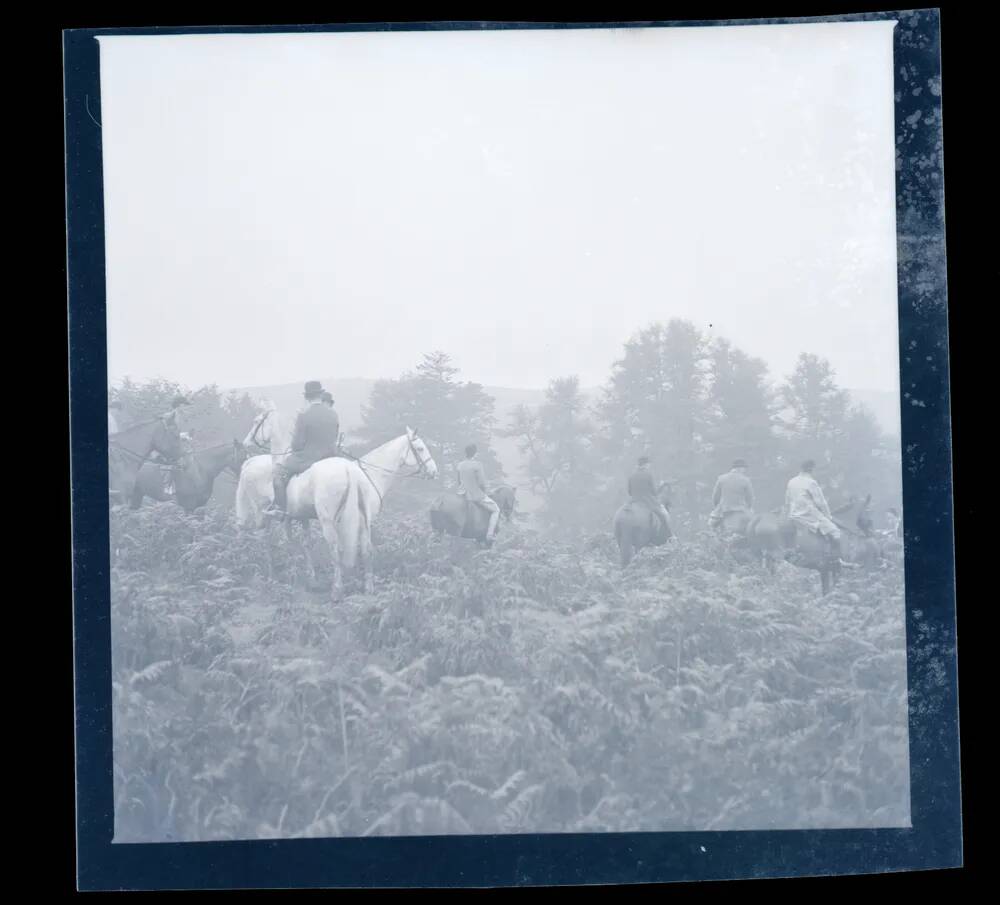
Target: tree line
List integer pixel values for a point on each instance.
(690, 403)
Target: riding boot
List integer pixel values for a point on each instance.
(280, 503)
(491, 528)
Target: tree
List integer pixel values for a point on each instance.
(449, 413)
(655, 404)
(741, 418)
(866, 461)
(817, 407)
(558, 444)
(212, 417)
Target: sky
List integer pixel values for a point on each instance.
(283, 207)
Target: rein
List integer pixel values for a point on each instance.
(361, 463)
(256, 430)
(850, 531)
(119, 447)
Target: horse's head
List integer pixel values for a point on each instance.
(505, 497)
(857, 510)
(239, 456)
(259, 436)
(419, 456)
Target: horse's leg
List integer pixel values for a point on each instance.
(268, 530)
(333, 542)
(290, 538)
(306, 547)
(365, 559)
(296, 545)
(624, 546)
(310, 561)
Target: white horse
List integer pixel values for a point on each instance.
(271, 432)
(344, 495)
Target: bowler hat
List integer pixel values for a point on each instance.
(313, 388)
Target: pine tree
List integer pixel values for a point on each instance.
(866, 461)
(449, 413)
(558, 444)
(817, 406)
(655, 404)
(742, 409)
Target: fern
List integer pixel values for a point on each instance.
(531, 688)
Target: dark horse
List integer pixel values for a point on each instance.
(454, 514)
(130, 448)
(771, 536)
(636, 527)
(193, 481)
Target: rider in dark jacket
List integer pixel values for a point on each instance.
(316, 436)
(642, 488)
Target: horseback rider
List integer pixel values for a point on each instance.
(328, 402)
(172, 469)
(806, 505)
(642, 488)
(472, 485)
(316, 436)
(733, 493)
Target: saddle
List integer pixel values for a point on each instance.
(658, 530)
(471, 508)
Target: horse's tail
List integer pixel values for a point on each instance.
(352, 519)
(623, 537)
(253, 493)
(244, 506)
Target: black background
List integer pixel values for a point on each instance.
(972, 275)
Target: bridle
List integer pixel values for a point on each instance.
(421, 463)
(256, 429)
(422, 467)
(120, 448)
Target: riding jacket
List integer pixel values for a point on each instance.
(316, 436)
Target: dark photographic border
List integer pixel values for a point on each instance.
(935, 839)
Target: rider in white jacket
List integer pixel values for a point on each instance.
(806, 505)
